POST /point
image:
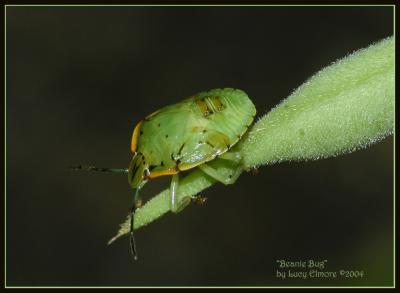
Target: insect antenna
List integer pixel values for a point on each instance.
(97, 169)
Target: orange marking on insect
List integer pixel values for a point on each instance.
(170, 171)
(135, 136)
(217, 103)
(203, 107)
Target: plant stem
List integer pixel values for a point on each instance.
(344, 107)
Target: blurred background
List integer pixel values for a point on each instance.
(78, 80)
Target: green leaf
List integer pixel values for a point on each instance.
(344, 107)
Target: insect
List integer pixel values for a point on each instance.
(183, 136)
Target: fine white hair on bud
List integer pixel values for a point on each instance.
(344, 107)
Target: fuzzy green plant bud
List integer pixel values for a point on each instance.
(344, 107)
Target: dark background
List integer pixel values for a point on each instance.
(79, 78)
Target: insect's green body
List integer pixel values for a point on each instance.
(184, 135)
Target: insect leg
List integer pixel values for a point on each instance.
(210, 171)
(174, 188)
(136, 204)
(231, 156)
(199, 200)
(177, 204)
(132, 238)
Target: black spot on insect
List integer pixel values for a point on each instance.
(162, 163)
(204, 130)
(211, 145)
(134, 171)
(132, 174)
(203, 107)
(180, 149)
(144, 163)
(230, 176)
(141, 132)
(166, 136)
(151, 167)
(158, 124)
(216, 101)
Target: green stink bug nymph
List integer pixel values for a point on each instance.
(183, 136)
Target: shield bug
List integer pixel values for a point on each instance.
(183, 136)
